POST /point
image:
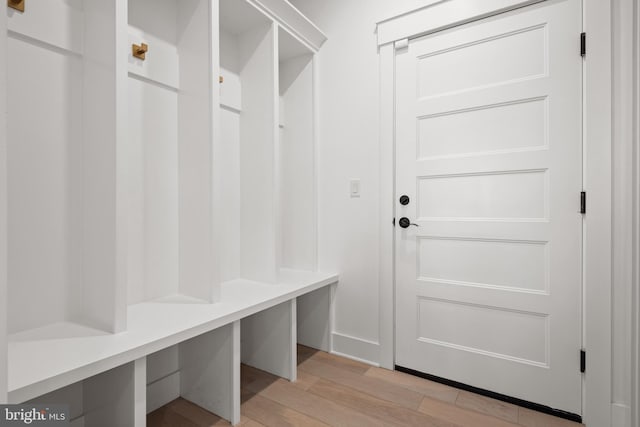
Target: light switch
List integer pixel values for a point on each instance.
(354, 187)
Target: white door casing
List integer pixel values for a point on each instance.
(489, 150)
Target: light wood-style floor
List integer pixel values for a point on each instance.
(334, 391)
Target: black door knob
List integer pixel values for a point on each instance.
(405, 222)
(404, 200)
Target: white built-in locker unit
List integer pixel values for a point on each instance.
(160, 213)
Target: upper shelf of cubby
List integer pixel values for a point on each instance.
(238, 16)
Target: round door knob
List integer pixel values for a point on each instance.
(405, 222)
(404, 200)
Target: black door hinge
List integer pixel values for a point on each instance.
(583, 202)
(394, 221)
(583, 44)
(583, 360)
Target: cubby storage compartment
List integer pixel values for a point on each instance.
(170, 241)
(160, 202)
(297, 186)
(269, 340)
(267, 148)
(296, 162)
(107, 399)
(314, 318)
(267, 159)
(64, 243)
(204, 370)
(248, 143)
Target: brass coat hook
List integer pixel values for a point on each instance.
(221, 79)
(16, 4)
(139, 51)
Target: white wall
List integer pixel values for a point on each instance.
(348, 149)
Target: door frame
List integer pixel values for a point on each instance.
(597, 252)
(631, 58)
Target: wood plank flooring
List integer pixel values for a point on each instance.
(334, 391)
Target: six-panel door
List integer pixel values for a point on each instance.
(489, 150)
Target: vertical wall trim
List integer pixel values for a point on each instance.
(635, 368)
(216, 152)
(332, 315)
(140, 392)
(387, 183)
(277, 151)
(122, 184)
(315, 105)
(623, 198)
(235, 374)
(3, 208)
(598, 221)
(293, 336)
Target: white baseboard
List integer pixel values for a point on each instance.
(620, 415)
(356, 348)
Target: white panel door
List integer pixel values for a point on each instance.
(489, 151)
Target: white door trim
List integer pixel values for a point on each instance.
(635, 260)
(437, 15)
(386, 265)
(598, 180)
(598, 239)
(625, 231)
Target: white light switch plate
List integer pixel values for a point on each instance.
(354, 188)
